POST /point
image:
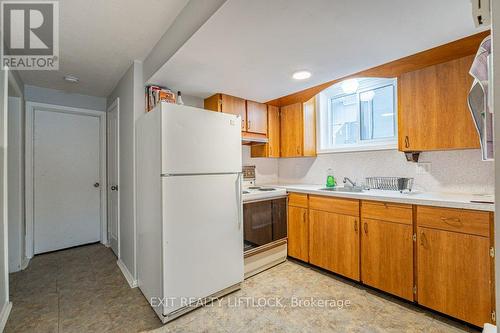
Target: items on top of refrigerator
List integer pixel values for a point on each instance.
(157, 94)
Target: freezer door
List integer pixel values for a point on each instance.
(197, 141)
(203, 237)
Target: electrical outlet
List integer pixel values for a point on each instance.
(423, 168)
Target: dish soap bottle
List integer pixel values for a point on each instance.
(330, 179)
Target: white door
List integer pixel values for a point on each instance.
(66, 180)
(203, 236)
(113, 177)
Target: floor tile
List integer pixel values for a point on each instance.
(77, 290)
(83, 290)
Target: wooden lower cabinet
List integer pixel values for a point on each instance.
(387, 257)
(454, 274)
(334, 242)
(298, 233)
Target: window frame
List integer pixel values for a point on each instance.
(390, 143)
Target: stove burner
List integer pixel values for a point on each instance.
(266, 189)
(254, 187)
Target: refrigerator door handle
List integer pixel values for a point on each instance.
(240, 201)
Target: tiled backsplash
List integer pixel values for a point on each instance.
(460, 171)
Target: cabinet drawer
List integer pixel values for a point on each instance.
(334, 205)
(459, 220)
(297, 200)
(385, 211)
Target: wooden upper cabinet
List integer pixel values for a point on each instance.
(235, 105)
(228, 104)
(433, 111)
(272, 148)
(298, 129)
(273, 131)
(256, 117)
(291, 130)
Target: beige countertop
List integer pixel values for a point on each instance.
(451, 200)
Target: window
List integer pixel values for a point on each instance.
(363, 119)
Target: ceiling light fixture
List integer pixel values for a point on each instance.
(71, 78)
(301, 75)
(349, 86)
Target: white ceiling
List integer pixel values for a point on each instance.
(251, 48)
(99, 39)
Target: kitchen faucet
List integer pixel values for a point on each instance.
(346, 179)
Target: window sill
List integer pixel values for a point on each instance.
(374, 147)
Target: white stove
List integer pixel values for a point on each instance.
(265, 224)
(252, 192)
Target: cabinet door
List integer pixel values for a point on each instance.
(273, 130)
(387, 257)
(272, 148)
(454, 274)
(433, 111)
(298, 233)
(256, 117)
(237, 106)
(292, 127)
(334, 242)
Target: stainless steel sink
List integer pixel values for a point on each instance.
(355, 189)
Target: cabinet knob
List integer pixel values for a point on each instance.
(304, 216)
(356, 226)
(407, 142)
(365, 226)
(248, 124)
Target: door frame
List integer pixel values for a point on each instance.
(30, 109)
(17, 92)
(116, 103)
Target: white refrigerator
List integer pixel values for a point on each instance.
(189, 207)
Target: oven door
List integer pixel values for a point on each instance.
(264, 222)
(258, 223)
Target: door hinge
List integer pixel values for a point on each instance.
(414, 289)
(492, 252)
(414, 237)
(493, 316)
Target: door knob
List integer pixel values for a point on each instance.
(96, 185)
(114, 188)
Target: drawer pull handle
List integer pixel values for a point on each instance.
(454, 222)
(366, 227)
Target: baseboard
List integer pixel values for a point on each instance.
(4, 315)
(130, 279)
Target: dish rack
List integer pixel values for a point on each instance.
(389, 183)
